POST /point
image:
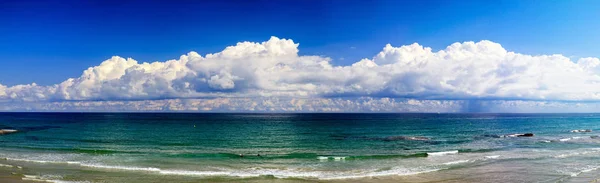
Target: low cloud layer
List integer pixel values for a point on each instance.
(309, 105)
(268, 104)
(462, 71)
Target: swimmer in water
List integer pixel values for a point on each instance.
(241, 155)
(258, 155)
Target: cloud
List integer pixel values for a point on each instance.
(287, 104)
(261, 104)
(462, 71)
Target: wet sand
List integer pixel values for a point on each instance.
(508, 171)
(11, 175)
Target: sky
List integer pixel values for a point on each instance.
(267, 55)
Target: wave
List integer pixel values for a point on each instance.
(571, 138)
(578, 170)
(147, 169)
(48, 178)
(79, 150)
(258, 172)
(586, 169)
(247, 172)
(442, 153)
(578, 153)
(334, 157)
(294, 156)
(218, 156)
(302, 173)
(492, 157)
(457, 162)
(33, 161)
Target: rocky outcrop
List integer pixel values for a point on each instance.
(518, 135)
(525, 135)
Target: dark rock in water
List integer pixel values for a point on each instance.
(7, 131)
(595, 136)
(394, 138)
(525, 135)
(518, 135)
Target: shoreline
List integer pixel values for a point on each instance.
(506, 171)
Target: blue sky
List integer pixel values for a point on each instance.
(57, 40)
(300, 56)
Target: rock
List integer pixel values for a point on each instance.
(525, 135)
(518, 135)
(7, 131)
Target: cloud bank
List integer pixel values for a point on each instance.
(463, 71)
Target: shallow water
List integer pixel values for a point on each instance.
(159, 147)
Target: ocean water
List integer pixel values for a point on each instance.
(176, 147)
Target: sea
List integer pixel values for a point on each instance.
(338, 147)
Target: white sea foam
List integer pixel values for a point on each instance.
(492, 157)
(581, 170)
(398, 172)
(578, 153)
(289, 173)
(511, 135)
(339, 158)
(149, 169)
(193, 173)
(571, 138)
(252, 172)
(564, 139)
(255, 172)
(336, 158)
(31, 176)
(457, 162)
(5, 165)
(33, 161)
(49, 178)
(442, 153)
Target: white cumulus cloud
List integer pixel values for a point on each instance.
(469, 70)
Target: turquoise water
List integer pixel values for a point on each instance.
(120, 147)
